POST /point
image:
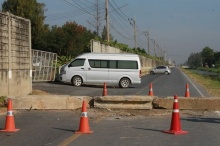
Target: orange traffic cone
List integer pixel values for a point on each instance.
(187, 94)
(9, 123)
(104, 90)
(151, 90)
(175, 127)
(84, 122)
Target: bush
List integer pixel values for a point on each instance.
(2, 101)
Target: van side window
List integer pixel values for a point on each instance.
(77, 62)
(126, 64)
(112, 64)
(98, 63)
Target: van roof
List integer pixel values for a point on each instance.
(109, 54)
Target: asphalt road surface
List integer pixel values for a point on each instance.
(163, 86)
(53, 128)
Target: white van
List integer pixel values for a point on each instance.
(99, 68)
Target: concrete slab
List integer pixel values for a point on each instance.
(124, 102)
(49, 102)
(188, 103)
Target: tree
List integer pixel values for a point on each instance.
(207, 56)
(68, 40)
(29, 9)
(217, 59)
(195, 60)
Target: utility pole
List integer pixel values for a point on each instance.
(107, 20)
(96, 23)
(154, 42)
(158, 50)
(135, 34)
(97, 18)
(148, 41)
(133, 23)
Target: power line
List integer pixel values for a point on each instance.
(120, 19)
(120, 33)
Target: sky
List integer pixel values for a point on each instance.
(179, 27)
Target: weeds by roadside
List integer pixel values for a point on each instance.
(2, 101)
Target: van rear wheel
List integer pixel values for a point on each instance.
(77, 81)
(124, 83)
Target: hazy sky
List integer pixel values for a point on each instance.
(179, 27)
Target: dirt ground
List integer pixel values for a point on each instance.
(99, 114)
(39, 92)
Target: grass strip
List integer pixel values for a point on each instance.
(211, 85)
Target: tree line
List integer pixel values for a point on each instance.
(206, 58)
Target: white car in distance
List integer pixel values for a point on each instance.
(161, 70)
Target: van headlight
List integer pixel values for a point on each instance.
(63, 72)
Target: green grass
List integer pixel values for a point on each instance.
(2, 101)
(211, 85)
(214, 70)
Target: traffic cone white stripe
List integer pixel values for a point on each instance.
(9, 113)
(175, 100)
(175, 111)
(84, 114)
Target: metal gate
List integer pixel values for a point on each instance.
(43, 65)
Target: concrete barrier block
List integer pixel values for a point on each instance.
(40, 102)
(124, 102)
(188, 103)
(49, 102)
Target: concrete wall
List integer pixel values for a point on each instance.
(146, 63)
(15, 55)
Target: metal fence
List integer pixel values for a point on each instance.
(43, 66)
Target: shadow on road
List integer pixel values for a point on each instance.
(207, 120)
(64, 129)
(148, 129)
(84, 85)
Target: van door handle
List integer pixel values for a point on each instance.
(82, 68)
(89, 68)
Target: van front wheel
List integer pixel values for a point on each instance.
(124, 83)
(77, 81)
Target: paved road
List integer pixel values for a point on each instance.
(52, 128)
(163, 86)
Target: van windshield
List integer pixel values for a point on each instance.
(77, 62)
